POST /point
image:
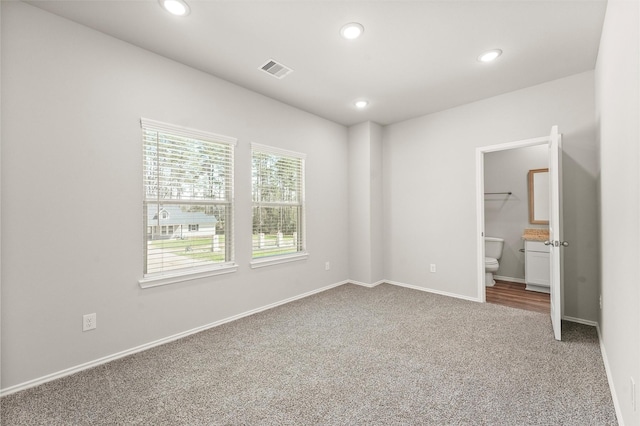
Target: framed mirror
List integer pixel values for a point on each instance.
(539, 196)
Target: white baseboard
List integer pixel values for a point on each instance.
(360, 283)
(510, 279)
(429, 290)
(103, 360)
(580, 321)
(607, 369)
(113, 357)
(85, 366)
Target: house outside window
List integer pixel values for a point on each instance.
(188, 200)
(278, 203)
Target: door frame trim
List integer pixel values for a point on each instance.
(480, 151)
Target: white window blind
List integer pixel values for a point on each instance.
(188, 199)
(278, 201)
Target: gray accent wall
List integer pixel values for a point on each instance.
(507, 216)
(72, 194)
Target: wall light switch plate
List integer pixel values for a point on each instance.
(432, 267)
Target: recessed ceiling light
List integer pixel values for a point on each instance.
(361, 104)
(175, 7)
(489, 56)
(351, 30)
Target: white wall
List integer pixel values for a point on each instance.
(359, 203)
(0, 199)
(377, 202)
(618, 111)
(508, 216)
(429, 169)
(72, 194)
(365, 203)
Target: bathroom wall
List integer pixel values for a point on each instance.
(507, 216)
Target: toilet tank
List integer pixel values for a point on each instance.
(493, 247)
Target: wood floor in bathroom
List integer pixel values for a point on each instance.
(514, 295)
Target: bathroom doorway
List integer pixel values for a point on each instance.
(553, 242)
(507, 201)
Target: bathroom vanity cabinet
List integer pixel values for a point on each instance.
(536, 266)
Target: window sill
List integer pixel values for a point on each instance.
(158, 280)
(276, 260)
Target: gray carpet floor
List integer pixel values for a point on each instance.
(347, 356)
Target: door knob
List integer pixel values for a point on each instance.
(547, 243)
(564, 243)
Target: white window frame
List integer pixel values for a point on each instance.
(302, 253)
(196, 272)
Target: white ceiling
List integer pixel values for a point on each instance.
(414, 58)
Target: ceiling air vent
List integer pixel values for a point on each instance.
(275, 69)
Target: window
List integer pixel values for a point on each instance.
(278, 204)
(188, 203)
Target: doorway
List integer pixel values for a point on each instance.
(554, 241)
(480, 198)
(508, 192)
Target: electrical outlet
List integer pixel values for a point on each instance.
(432, 267)
(88, 322)
(600, 302)
(327, 266)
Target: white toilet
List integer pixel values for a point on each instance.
(492, 252)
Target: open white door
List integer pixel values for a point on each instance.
(555, 242)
